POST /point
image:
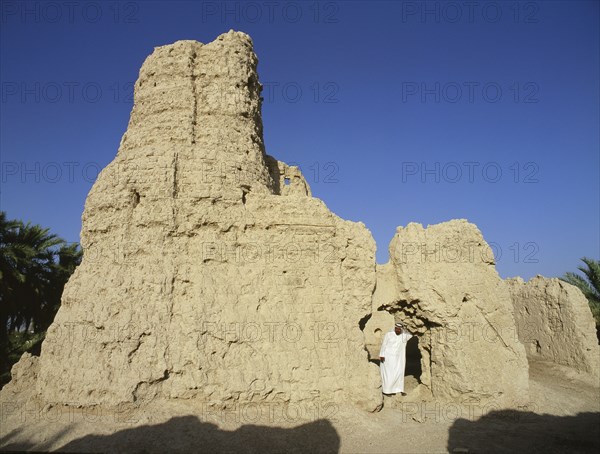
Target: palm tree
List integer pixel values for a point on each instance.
(38, 271)
(589, 285)
(34, 267)
(12, 253)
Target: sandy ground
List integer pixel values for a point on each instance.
(563, 416)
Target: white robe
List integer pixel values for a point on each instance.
(393, 349)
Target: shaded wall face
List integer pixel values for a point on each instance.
(555, 323)
(209, 285)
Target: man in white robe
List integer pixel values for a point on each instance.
(392, 359)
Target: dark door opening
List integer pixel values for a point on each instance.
(413, 359)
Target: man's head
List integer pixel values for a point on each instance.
(398, 328)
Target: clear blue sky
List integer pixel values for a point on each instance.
(409, 110)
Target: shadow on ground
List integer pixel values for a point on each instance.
(509, 431)
(189, 434)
